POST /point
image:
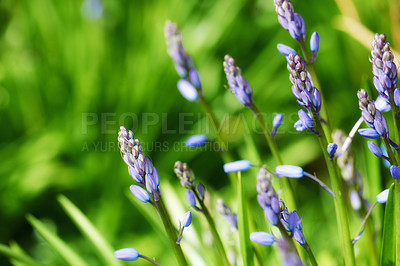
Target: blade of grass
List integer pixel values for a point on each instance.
(19, 256)
(60, 246)
(388, 236)
(87, 228)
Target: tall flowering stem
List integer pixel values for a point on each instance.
(145, 174)
(241, 88)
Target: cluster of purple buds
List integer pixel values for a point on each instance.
(231, 217)
(373, 118)
(292, 224)
(290, 20)
(187, 178)
(383, 68)
(267, 197)
(189, 85)
(238, 85)
(140, 167)
(303, 89)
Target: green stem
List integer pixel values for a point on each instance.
(287, 191)
(243, 227)
(392, 157)
(340, 206)
(169, 228)
(150, 260)
(397, 218)
(310, 255)
(214, 232)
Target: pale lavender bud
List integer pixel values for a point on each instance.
(382, 105)
(285, 50)
(187, 90)
(200, 189)
(305, 118)
(237, 166)
(150, 184)
(140, 193)
(375, 149)
(262, 238)
(355, 200)
(299, 236)
(299, 126)
(187, 219)
(190, 197)
(314, 42)
(397, 97)
(196, 141)
(135, 175)
(383, 196)
(369, 133)
(126, 254)
(277, 120)
(395, 172)
(194, 78)
(290, 171)
(271, 216)
(294, 221)
(275, 204)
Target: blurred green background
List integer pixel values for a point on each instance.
(72, 72)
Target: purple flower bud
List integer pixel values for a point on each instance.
(263, 200)
(156, 177)
(275, 204)
(237, 166)
(271, 216)
(187, 219)
(200, 189)
(298, 235)
(369, 133)
(355, 200)
(299, 126)
(232, 220)
(187, 90)
(290, 171)
(305, 118)
(395, 171)
(262, 238)
(285, 50)
(150, 183)
(196, 141)
(140, 193)
(396, 97)
(314, 42)
(194, 78)
(126, 254)
(382, 105)
(383, 196)
(294, 221)
(277, 120)
(135, 175)
(374, 149)
(190, 198)
(332, 147)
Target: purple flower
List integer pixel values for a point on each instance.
(383, 196)
(375, 149)
(237, 166)
(332, 147)
(196, 141)
(276, 123)
(305, 119)
(126, 254)
(285, 50)
(262, 238)
(140, 193)
(369, 133)
(395, 172)
(271, 216)
(290, 171)
(187, 219)
(299, 236)
(299, 126)
(190, 197)
(314, 42)
(187, 90)
(200, 189)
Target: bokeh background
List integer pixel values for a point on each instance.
(72, 72)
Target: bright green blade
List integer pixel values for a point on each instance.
(18, 256)
(87, 228)
(388, 237)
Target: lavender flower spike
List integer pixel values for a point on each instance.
(290, 20)
(196, 141)
(238, 85)
(262, 238)
(237, 166)
(126, 254)
(383, 68)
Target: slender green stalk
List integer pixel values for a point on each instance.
(396, 121)
(340, 206)
(214, 232)
(285, 235)
(287, 191)
(397, 218)
(310, 255)
(243, 226)
(150, 260)
(170, 231)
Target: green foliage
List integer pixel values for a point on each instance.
(388, 253)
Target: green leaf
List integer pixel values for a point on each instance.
(244, 235)
(388, 237)
(87, 228)
(60, 246)
(17, 255)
